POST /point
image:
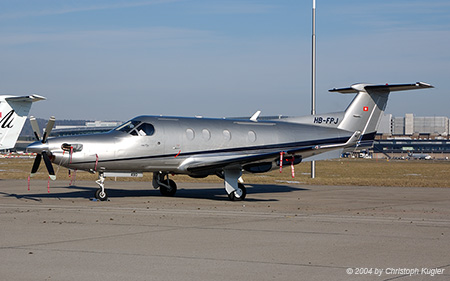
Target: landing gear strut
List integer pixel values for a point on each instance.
(100, 194)
(236, 190)
(166, 186)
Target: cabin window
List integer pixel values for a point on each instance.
(206, 134)
(190, 134)
(251, 136)
(226, 135)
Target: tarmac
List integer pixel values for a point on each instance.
(283, 231)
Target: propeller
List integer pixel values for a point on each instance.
(43, 154)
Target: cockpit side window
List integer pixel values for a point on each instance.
(145, 129)
(137, 128)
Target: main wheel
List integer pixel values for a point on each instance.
(233, 197)
(169, 192)
(102, 196)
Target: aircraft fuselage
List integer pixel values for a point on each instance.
(175, 141)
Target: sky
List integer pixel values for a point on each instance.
(116, 59)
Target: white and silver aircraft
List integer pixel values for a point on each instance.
(200, 147)
(419, 156)
(13, 113)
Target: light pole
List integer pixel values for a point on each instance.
(313, 77)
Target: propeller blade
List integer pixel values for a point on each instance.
(49, 166)
(37, 162)
(35, 127)
(48, 129)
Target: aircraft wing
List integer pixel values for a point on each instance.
(199, 165)
(202, 164)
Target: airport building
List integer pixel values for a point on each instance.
(414, 126)
(412, 136)
(88, 128)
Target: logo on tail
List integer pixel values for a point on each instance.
(7, 121)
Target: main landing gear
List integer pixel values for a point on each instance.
(236, 190)
(234, 195)
(166, 186)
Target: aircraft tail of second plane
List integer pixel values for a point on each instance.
(13, 113)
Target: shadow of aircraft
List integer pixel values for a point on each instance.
(213, 193)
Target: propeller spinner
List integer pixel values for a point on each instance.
(41, 148)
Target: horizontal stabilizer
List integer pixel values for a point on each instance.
(31, 98)
(356, 88)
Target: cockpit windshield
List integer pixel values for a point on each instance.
(137, 128)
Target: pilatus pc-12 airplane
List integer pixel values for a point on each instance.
(200, 147)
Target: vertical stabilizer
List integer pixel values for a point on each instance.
(364, 112)
(13, 113)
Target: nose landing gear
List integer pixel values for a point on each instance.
(100, 194)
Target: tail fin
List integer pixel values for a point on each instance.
(364, 112)
(13, 113)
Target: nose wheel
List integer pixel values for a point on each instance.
(100, 194)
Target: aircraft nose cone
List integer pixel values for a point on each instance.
(37, 147)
